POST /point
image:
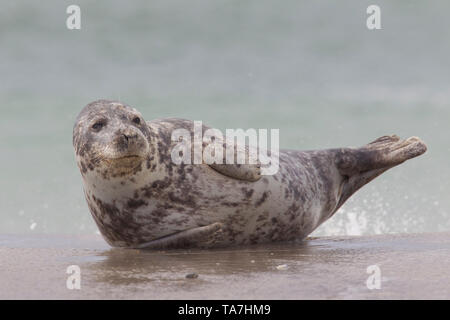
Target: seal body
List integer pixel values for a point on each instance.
(139, 197)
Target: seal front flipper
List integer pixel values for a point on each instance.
(247, 172)
(195, 237)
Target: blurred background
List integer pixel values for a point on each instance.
(310, 68)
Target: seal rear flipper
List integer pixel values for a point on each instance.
(196, 237)
(361, 165)
(383, 153)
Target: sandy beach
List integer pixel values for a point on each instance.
(412, 266)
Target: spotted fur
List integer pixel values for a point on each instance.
(139, 196)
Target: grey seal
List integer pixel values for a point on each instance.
(139, 198)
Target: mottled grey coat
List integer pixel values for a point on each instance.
(140, 198)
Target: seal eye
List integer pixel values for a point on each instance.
(137, 120)
(98, 125)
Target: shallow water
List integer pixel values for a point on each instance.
(410, 267)
(311, 69)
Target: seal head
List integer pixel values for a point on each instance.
(113, 140)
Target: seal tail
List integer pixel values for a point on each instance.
(359, 166)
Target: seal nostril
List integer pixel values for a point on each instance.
(126, 137)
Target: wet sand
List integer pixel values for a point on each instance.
(414, 266)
